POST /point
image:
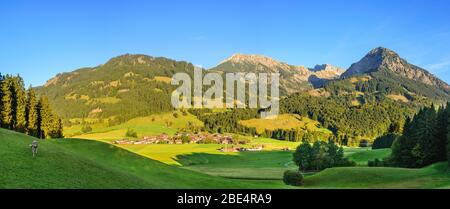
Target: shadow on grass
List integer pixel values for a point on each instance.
(265, 165)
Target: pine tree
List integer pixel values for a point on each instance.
(441, 133)
(402, 147)
(32, 113)
(423, 140)
(1, 96)
(19, 104)
(7, 103)
(426, 148)
(448, 135)
(44, 118)
(55, 128)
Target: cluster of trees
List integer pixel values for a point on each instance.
(21, 110)
(297, 135)
(385, 141)
(227, 121)
(319, 156)
(425, 139)
(350, 123)
(131, 133)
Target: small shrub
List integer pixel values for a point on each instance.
(86, 129)
(175, 115)
(185, 139)
(293, 178)
(346, 163)
(131, 133)
(377, 163)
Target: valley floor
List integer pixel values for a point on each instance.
(77, 163)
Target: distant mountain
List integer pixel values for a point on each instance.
(130, 86)
(385, 71)
(126, 86)
(292, 78)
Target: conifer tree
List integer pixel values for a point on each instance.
(1, 96)
(19, 104)
(441, 133)
(448, 135)
(44, 118)
(7, 103)
(32, 113)
(427, 146)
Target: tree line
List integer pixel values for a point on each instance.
(425, 140)
(373, 117)
(319, 156)
(23, 111)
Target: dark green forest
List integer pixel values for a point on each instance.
(425, 139)
(22, 111)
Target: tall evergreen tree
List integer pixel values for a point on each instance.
(427, 146)
(441, 133)
(32, 113)
(424, 139)
(19, 104)
(7, 103)
(1, 96)
(448, 135)
(44, 118)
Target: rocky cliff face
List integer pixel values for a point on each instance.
(293, 78)
(327, 71)
(385, 59)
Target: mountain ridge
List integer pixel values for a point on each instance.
(381, 57)
(143, 82)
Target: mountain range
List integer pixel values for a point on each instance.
(136, 85)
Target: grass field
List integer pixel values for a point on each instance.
(434, 176)
(74, 163)
(247, 165)
(260, 165)
(364, 155)
(169, 153)
(144, 126)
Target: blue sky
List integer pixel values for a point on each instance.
(39, 39)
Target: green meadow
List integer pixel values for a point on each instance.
(144, 126)
(93, 162)
(75, 163)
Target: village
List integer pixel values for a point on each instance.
(231, 145)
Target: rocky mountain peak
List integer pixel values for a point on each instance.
(385, 59)
(327, 71)
(255, 60)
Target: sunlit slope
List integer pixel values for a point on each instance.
(73, 163)
(434, 176)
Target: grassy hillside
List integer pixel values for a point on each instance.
(125, 87)
(168, 153)
(434, 176)
(248, 165)
(362, 157)
(144, 126)
(73, 163)
(286, 122)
